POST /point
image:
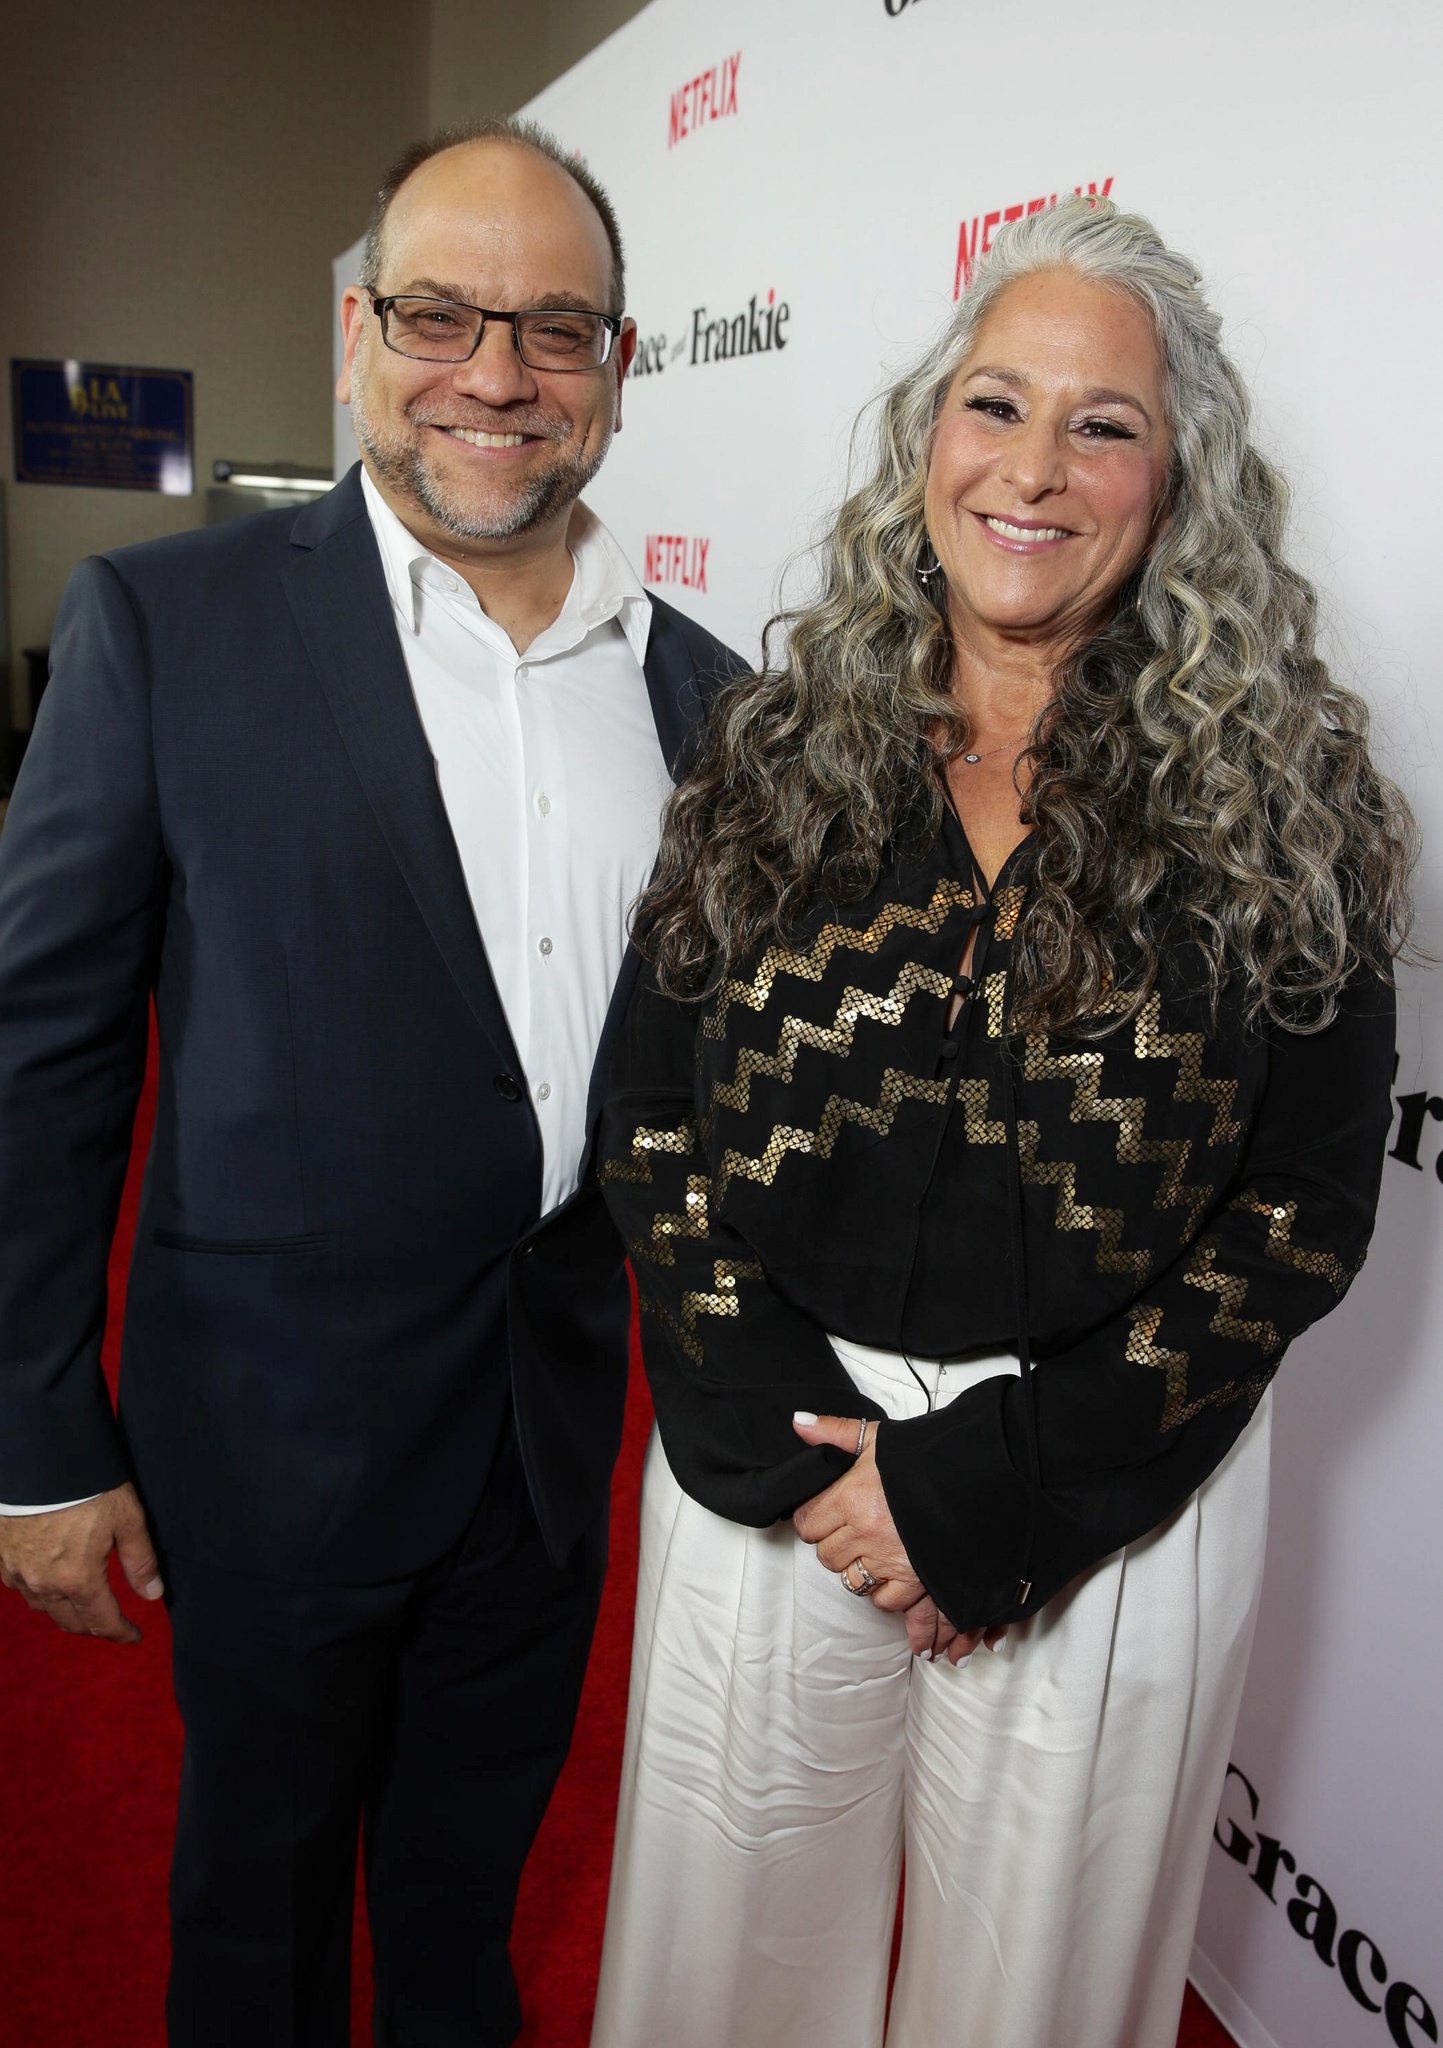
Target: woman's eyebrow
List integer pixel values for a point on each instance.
(1015, 380)
(1101, 397)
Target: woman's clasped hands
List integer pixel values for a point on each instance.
(854, 1533)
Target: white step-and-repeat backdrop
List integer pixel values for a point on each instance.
(802, 184)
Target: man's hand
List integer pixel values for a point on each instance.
(57, 1563)
(852, 1520)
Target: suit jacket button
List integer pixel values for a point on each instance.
(507, 1087)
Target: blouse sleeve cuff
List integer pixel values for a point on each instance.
(959, 1499)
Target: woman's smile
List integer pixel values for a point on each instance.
(1020, 536)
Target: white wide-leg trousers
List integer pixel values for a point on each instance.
(1055, 1798)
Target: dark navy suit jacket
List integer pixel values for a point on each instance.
(340, 1268)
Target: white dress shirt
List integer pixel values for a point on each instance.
(553, 780)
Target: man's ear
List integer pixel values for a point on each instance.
(622, 354)
(353, 322)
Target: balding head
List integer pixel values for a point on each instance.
(415, 162)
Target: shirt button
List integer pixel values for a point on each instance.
(452, 584)
(543, 1093)
(543, 804)
(543, 946)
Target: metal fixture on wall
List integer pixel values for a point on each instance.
(242, 487)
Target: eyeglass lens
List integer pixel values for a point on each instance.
(441, 332)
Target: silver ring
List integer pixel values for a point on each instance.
(868, 1585)
(861, 1441)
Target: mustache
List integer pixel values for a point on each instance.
(517, 419)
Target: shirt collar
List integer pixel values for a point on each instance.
(605, 585)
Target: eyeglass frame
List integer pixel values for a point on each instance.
(612, 322)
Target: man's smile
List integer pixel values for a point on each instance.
(479, 439)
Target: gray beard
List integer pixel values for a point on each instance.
(542, 497)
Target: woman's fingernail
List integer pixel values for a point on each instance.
(998, 1644)
(801, 1415)
(963, 1660)
(925, 1655)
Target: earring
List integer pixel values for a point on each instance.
(927, 570)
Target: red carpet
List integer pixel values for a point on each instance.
(90, 1744)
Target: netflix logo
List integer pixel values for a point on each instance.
(974, 238)
(710, 96)
(676, 558)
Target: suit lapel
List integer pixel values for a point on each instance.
(337, 592)
(671, 686)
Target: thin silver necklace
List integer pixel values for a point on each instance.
(973, 759)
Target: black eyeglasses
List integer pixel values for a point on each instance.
(449, 331)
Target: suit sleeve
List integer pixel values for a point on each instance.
(82, 886)
(729, 1361)
(1132, 1419)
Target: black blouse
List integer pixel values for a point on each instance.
(1150, 1218)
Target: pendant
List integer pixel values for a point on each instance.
(973, 759)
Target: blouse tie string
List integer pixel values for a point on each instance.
(1015, 1217)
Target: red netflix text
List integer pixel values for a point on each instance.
(676, 558)
(707, 97)
(974, 237)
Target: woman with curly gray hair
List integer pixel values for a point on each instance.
(1007, 1088)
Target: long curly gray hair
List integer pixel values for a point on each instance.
(1197, 760)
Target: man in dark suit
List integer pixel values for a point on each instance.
(360, 797)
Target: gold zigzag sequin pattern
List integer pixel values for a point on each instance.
(723, 1302)
(1006, 905)
(1228, 1321)
(993, 990)
(1070, 1214)
(668, 1226)
(1250, 1390)
(810, 963)
(834, 1038)
(1231, 1289)
(1144, 1349)
(1281, 1217)
(1089, 1105)
(1186, 1047)
(644, 1142)
(981, 1129)
(897, 1087)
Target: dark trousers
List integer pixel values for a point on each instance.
(432, 1714)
